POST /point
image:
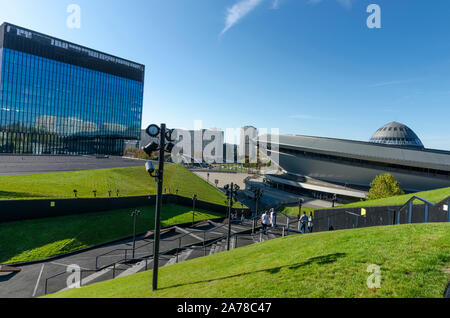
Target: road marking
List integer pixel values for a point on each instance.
(64, 265)
(39, 278)
(90, 278)
(189, 233)
(133, 270)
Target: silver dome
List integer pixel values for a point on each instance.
(397, 134)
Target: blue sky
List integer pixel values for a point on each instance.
(304, 66)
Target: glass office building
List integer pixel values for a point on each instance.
(57, 97)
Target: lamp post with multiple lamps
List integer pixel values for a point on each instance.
(165, 145)
(231, 190)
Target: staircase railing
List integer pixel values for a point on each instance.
(410, 205)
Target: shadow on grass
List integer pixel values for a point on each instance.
(320, 260)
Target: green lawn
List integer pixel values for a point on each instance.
(133, 181)
(38, 239)
(434, 196)
(293, 210)
(414, 262)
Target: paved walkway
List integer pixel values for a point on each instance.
(31, 280)
(224, 178)
(96, 265)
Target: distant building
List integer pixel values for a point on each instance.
(338, 166)
(57, 97)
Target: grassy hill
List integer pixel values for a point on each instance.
(434, 196)
(133, 181)
(38, 239)
(414, 261)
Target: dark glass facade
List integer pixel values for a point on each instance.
(60, 98)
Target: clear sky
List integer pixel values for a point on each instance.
(308, 67)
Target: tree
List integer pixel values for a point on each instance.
(384, 186)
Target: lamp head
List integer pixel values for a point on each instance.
(150, 167)
(150, 148)
(169, 147)
(153, 130)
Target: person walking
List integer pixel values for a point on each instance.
(304, 222)
(273, 218)
(265, 221)
(310, 222)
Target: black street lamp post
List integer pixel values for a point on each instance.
(300, 205)
(231, 190)
(134, 215)
(258, 194)
(194, 198)
(164, 135)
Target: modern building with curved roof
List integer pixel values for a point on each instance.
(397, 134)
(394, 148)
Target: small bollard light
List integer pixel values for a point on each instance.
(117, 192)
(109, 192)
(95, 193)
(177, 191)
(75, 192)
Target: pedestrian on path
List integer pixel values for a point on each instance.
(273, 218)
(265, 221)
(310, 222)
(304, 222)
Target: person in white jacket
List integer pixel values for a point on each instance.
(265, 221)
(273, 218)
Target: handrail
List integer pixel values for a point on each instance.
(415, 197)
(162, 254)
(152, 242)
(409, 204)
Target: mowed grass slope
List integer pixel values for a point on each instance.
(293, 210)
(434, 196)
(414, 261)
(38, 239)
(133, 181)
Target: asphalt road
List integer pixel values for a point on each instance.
(23, 165)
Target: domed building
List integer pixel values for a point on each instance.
(397, 134)
(324, 167)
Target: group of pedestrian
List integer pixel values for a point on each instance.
(306, 224)
(235, 218)
(269, 218)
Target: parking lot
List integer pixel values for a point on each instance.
(23, 165)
